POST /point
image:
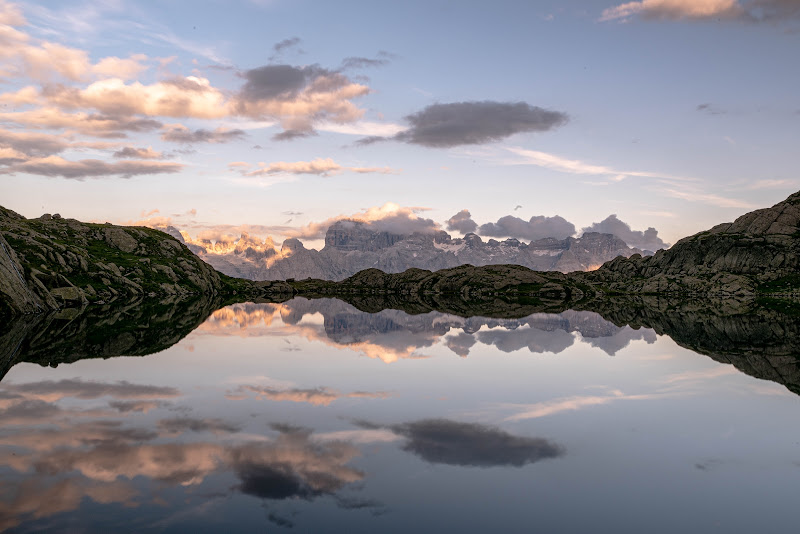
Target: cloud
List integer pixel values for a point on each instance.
(178, 133)
(299, 97)
(319, 166)
(89, 168)
(566, 404)
(462, 222)
(138, 153)
(391, 217)
(286, 44)
(538, 227)
(315, 396)
(356, 62)
(538, 340)
(647, 240)
(460, 343)
(749, 11)
(674, 10)
(94, 124)
(179, 425)
(50, 390)
(291, 135)
(557, 163)
(470, 123)
(710, 109)
(468, 444)
(696, 195)
(379, 130)
(189, 96)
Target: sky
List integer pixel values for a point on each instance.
(659, 118)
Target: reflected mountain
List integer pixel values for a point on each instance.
(760, 341)
(137, 328)
(391, 335)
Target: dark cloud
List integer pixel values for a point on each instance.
(77, 388)
(372, 139)
(710, 109)
(471, 123)
(273, 482)
(460, 343)
(33, 144)
(647, 240)
(135, 406)
(772, 11)
(181, 134)
(468, 444)
(538, 227)
(138, 153)
(178, 425)
(30, 412)
(278, 81)
(363, 62)
(534, 339)
(286, 43)
(279, 520)
(462, 222)
(291, 135)
(54, 166)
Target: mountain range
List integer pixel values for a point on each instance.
(352, 246)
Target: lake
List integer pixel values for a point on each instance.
(313, 416)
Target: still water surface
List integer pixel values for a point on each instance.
(311, 416)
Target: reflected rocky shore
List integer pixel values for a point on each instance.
(131, 329)
(757, 340)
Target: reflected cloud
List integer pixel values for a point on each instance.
(317, 396)
(62, 466)
(48, 390)
(543, 409)
(443, 441)
(34, 499)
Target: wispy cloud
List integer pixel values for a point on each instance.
(318, 166)
(574, 166)
(566, 404)
(696, 195)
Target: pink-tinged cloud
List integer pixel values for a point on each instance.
(315, 396)
(55, 166)
(318, 166)
(178, 133)
(674, 9)
(94, 124)
(390, 217)
(138, 153)
(191, 96)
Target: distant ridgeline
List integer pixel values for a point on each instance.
(352, 246)
(50, 263)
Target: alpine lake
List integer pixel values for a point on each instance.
(332, 416)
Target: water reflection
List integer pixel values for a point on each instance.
(259, 414)
(68, 442)
(391, 335)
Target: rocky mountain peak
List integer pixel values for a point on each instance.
(356, 235)
(473, 240)
(292, 245)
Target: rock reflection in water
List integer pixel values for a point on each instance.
(391, 335)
